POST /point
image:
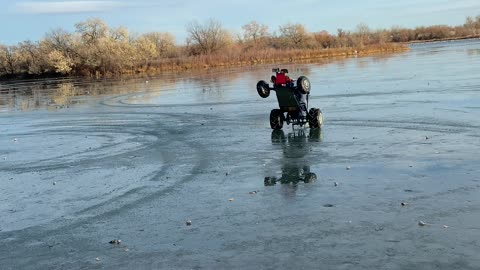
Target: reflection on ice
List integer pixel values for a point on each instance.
(295, 163)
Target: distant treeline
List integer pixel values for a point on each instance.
(95, 49)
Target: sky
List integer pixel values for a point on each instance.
(31, 20)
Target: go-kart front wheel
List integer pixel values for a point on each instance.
(263, 89)
(276, 119)
(315, 118)
(303, 85)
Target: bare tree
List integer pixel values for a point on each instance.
(32, 60)
(295, 34)
(362, 35)
(324, 39)
(92, 30)
(473, 25)
(342, 38)
(254, 31)
(164, 42)
(59, 39)
(146, 49)
(60, 62)
(470, 24)
(119, 34)
(9, 59)
(116, 56)
(207, 38)
(380, 37)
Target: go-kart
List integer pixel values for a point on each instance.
(292, 96)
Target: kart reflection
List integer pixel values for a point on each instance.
(295, 162)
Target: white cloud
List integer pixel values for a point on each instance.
(59, 7)
(452, 6)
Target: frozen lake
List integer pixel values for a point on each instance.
(84, 162)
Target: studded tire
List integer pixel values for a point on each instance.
(276, 119)
(263, 89)
(315, 118)
(303, 85)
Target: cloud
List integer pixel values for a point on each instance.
(455, 6)
(428, 6)
(60, 7)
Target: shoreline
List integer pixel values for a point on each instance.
(266, 57)
(205, 62)
(276, 58)
(476, 37)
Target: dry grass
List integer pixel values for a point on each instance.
(235, 58)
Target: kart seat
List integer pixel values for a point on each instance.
(286, 99)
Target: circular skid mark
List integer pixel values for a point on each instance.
(165, 150)
(171, 152)
(63, 145)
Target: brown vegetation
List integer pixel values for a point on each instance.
(95, 49)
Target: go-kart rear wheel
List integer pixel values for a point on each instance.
(315, 118)
(276, 119)
(263, 89)
(303, 85)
